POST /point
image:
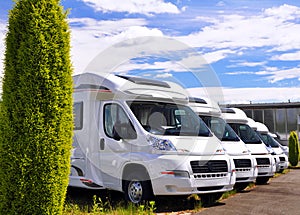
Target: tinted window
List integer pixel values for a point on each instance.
(220, 128)
(78, 115)
(115, 121)
(169, 119)
(246, 133)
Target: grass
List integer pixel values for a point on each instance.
(112, 203)
(100, 207)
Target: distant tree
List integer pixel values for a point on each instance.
(294, 149)
(36, 120)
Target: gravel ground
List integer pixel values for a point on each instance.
(279, 196)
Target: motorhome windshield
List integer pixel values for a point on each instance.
(268, 140)
(168, 119)
(246, 133)
(220, 128)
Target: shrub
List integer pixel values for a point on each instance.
(36, 119)
(293, 149)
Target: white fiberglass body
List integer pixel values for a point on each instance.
(245, 163)
(267, 138)
(138, 136)
(238, 120)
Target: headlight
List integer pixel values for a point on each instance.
(161, 144)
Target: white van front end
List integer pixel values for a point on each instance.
(138, 136)
(245, 163)
(266, 165)
(185, 175)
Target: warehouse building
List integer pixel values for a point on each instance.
(281, 118)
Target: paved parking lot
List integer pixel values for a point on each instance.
(280, 196)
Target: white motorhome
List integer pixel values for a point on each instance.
(267, 138)
(245, 163)
(238, 120)
(139, 136)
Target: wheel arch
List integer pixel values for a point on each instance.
(139, 169)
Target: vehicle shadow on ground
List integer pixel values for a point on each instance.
(84, 199)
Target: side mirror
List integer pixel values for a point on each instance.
(124, 131)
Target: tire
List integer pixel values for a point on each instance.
(136, 189)
(210, 198)
(262, 180)
(241, 186)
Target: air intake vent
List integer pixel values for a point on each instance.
(242, 163)
(209, 166)
(263, 161)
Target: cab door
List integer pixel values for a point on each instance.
(116, 138)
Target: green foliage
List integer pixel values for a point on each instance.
(100, 207)
(293, 149)
(36, 119)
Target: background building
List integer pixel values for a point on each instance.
(280, 118)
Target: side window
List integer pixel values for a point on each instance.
(78, 115)
(116, 123)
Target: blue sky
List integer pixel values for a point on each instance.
(252, 46)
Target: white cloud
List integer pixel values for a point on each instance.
(215, 56)
(294, 56)
(240, 73)
(274, 27)
(247, 95)
(90, 37)
(274, 75)
(164, 75)
(146, 7)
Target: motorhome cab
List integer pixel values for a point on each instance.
(245, 163)
(139, 136)
(281, 158)
(238, 120)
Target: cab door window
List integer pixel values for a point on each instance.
(117, 125)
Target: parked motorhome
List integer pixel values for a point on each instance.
(139, 136)
(245, 163)
(238, 120)
(281, 158)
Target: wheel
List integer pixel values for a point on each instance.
(136, 189)
(262, 180)
(281, 170)
(210, 198)
(241, 186)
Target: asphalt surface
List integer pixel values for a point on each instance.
(280, 196)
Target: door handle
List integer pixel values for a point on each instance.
(102, 143)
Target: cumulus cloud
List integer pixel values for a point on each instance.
(274, 75)
(293, 56)
(276, 28)
(146, 7)
(90, 37)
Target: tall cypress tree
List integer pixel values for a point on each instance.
(36, 120)
(293, 148)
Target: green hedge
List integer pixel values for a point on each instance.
(36, 120)
(293, 149)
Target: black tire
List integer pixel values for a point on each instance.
(241, 186)
(281, 171)
(262, 180)
(210, 198)
(136, 189)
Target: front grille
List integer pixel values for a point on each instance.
(282, 158)
(209, 166)
(242, 163)
(263, 161)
